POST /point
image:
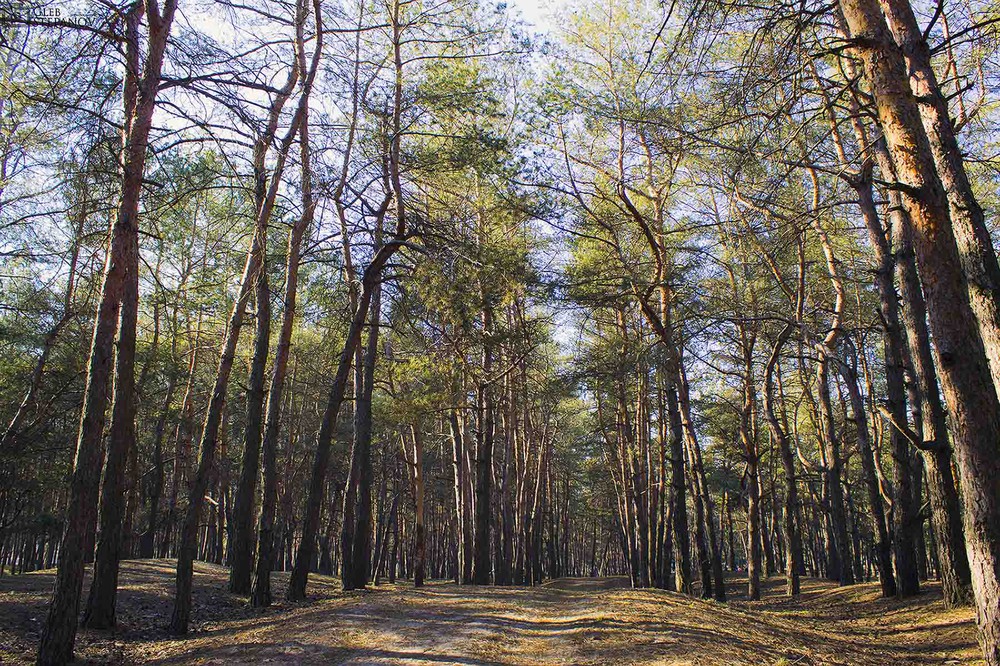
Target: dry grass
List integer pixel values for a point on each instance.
(568, 621)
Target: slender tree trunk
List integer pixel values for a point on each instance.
(317, 484)
(904, 514)
(147, 543)
(187, 550)
(839, 552)
(484, 459)
(789, 523)
(883, 548)
(904, 510)
(678, 510)
(419, 536)
(241, 552)
(461, 509)
(701, 484)
(260, 592)
(100, 610)
(362, 549)
(254, 263)
(241, 557)
(946, 516)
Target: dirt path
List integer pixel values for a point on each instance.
(568, 621)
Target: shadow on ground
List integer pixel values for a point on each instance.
(566, 621)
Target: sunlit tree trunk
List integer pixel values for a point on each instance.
(241, 551)
(932, 428)
(100, 610)
(482, 568)
(975, 247)
(213, 417)
(789, 515)
(419, 529)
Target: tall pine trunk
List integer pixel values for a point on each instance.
(260, 590)
(100, 610)
(482, 565)
(968, 223)
(362, 547)
(789, 511)
(242, 545)
(932, 427)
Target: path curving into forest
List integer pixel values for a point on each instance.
(564, 622)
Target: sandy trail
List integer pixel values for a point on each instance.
(567, 621)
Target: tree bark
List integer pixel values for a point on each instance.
(482, 566)
(260, 591)
(210, 432)
(317, 484)
(678, 509)
(241, 552)
(241, 549)
(946, 513)
(419, 531)
(701, 484)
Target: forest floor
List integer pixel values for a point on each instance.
(566, 621)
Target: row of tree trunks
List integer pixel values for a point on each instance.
(241, 558)
(254, 265)
(965, 336)
(139, 93)
(260, 592)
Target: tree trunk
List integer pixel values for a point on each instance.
(241, 557)
(946, 515)
(419, 536)
(972, 235)
(460, 473)
(883, 549)
(839, 552)
(362, 547)
(789, 514)
(484, 460)
(260, 592)
(701, 484)
(905, 521)
(317, 484)
(187, 550)
(254, 263)
(678, 510)
(147, 544)
(100, 611)
(241, 552)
